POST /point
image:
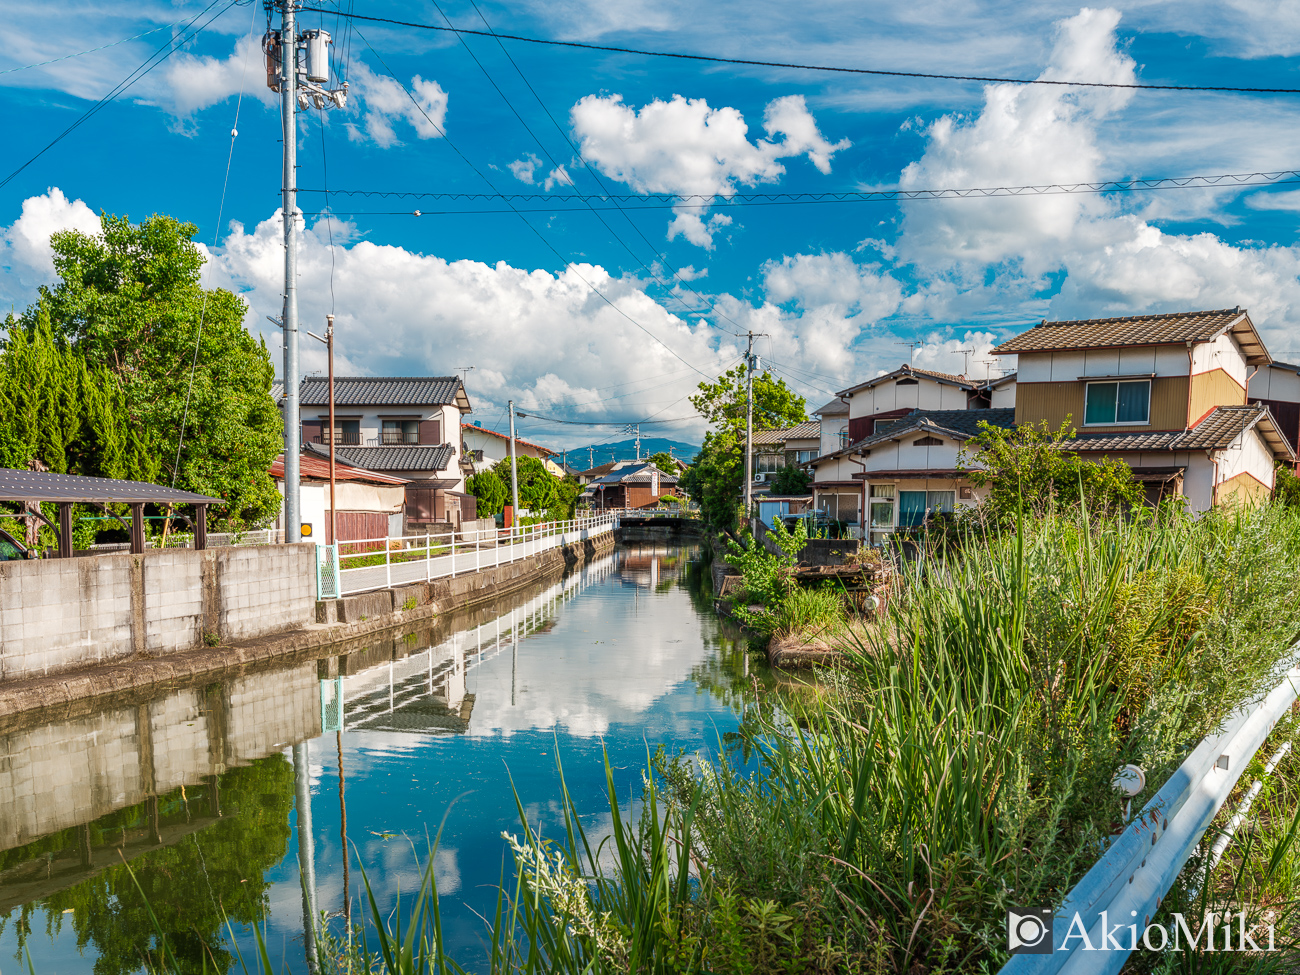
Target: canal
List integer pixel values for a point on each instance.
(190, 800)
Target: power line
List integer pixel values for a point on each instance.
(893, 194)
(605, 423)
(102, 47)
(749, 62)
(567, 263)
(145, 67)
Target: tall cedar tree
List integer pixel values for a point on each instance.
(715, 477)
(70, 416)
(131, 300)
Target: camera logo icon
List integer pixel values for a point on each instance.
(1029, 931)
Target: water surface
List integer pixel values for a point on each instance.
(202, 790)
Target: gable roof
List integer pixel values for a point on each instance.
(953, 424)
(1174, 328)
(634, 472)
(836, 407)
(475, 428)
(385, 391)
(808, 430)
(907, 371)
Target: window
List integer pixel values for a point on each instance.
(768, 463)
(844, 436)
(966, 493)
(401, 432)
(803, 456)
(928, 442)
(882, 505)
(915, 506)
(1127, 402)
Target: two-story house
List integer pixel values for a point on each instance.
(908, 389)
(1166, 394)
(407, 426)
(789, 447)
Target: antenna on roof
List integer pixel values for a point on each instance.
(965, 359)
(911, 347)
(464, 372)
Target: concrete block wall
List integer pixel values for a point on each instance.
(58, 615)
(265, 588)
(62, 613)
(267, 711)
(179, 742)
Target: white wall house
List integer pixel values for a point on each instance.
(1166, 394)
(483, 448)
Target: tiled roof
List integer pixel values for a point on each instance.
(808, 430)
(634, 472)
(1215, 432)
(397, 458)
(955, 424)
(382, 391)
(836, 407)
(1169, 329)
(475, 428)
(906, 370)
(315, 464)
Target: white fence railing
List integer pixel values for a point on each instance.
(382, 563)
(1125, 887)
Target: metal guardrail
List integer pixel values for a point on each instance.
(1127, 884)
(408, 559)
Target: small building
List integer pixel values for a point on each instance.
(369, 504)
(630, 485)
(833, 421)
(907, 389)
(483, 448)
(1166, 394)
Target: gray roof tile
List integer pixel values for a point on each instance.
(1106, 333)
(381, 390)
(396, 458)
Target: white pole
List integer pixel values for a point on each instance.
(514, 471)
(289, 206)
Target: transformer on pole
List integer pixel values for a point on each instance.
(300, 86)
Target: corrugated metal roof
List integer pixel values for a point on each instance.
(46, 486)
(1168, 329)
(399, 458)
(381, 390)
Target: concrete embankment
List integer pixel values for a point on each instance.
(323, 629)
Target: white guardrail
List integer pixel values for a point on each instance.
(380, 563)
(1126, 886)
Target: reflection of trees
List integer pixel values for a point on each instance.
(191, 887)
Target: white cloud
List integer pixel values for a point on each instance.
(1287, 200)
(26, 258)
(195, 82)
(523, 169)
(382, 102)
(685, 146)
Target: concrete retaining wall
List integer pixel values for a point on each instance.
(60, 614)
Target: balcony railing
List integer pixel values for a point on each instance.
(341, 439)
(394, 438)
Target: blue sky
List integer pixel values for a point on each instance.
(618, 334)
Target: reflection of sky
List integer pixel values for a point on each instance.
(611, 670)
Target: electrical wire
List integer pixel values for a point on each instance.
(102, 47)
(567, 263)
(216, 235)
(893, 194)
(145, 67)
(606, 423)
(749, 62)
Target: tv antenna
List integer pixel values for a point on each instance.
(911, 348)
(965, 358)
(464, 372)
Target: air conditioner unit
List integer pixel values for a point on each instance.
(761, 477)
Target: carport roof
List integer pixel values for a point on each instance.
(44, 486)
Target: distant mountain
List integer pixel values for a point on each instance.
(594, 455)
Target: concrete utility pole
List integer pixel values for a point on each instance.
(333, 435)
(749, 429)
(514, 469)
(289, 209)
(306, 853)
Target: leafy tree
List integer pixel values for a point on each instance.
(538, 487)
(492, 495)
(665, 462)
(1286, 486)
(131, 301)
(1031, 468)
(714, 478)
(791, 480)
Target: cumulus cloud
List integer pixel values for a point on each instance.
(685, 146)
(381, 102)
(523, 169)
(26, 258)
(195, 82)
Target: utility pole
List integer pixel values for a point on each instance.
(634, 430)
(289, 212)
(749, 429)
(298, 89)
(591, 458)
(329, 345)
(514, 469)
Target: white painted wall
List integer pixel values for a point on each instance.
(314, 497)
(1058, 367)
(1198, 482)
(1004, 397)
(927, 394)
(1248, 454)
(496, 448)
(831, 429)
(1275, 383)
(1223, 353)
(905, 455)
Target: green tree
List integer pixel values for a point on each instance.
(714, 479)
(131, 301)
(1031, 468)
(491, 493)
(538, 487)
(791, 480)
(665, 462)
(1286, 486)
